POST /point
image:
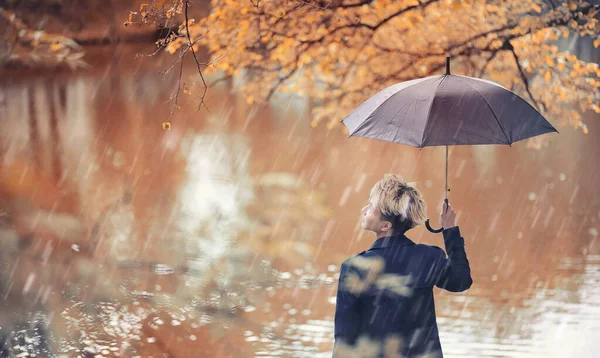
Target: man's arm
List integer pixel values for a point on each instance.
(347, 316)
(454, 272)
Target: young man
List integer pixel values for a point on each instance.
(384, 304)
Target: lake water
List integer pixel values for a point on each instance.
(223, 236)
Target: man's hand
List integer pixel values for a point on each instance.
(447, 216)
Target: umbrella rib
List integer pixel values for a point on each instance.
(364, 123)
(490, 108)
(429, 111)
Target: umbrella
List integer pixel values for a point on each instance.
(446, 110)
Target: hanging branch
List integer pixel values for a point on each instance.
(523, 76)
(191, 45)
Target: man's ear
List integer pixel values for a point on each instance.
(387, 226)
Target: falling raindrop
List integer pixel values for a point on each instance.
(28, 283)
(285, 275)
(161, 269)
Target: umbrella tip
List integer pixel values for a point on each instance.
(447, 65)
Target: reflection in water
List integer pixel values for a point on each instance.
(210, 211)
(224, 235)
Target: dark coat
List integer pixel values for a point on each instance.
(385, 305)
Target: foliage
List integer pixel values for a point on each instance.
(24, 46)
(342, 51)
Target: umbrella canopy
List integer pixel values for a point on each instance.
(446, 110)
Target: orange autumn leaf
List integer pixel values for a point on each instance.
(339, 55)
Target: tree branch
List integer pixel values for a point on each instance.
(487, 62)
(371, 27)
(283, 79)
(187, 32)
(523, 76)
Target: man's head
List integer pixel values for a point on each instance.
(394, 207)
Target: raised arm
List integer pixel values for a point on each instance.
(454, 272)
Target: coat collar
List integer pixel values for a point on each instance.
(391, 241)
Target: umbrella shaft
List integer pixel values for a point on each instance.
(447, 188)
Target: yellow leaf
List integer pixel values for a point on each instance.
(171, 48)
(596, 43)
(536, 8)
(572, 6)
(585, 130)
(547, 76)
(549, 61)
(562, 95)
(492, 8)
(250, 99)
(56, 46)
(166, 125)
(457, 5)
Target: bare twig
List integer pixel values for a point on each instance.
(178, 86)
(164, 44)
(191, 45)
(523, 77)
(487, 62)
(283, 79)
(219, 80)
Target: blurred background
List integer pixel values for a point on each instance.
(130, 226)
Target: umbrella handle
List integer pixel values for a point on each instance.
(435, 231)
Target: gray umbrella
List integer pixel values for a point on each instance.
(446, 110)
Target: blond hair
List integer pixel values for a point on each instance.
(395, 198)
